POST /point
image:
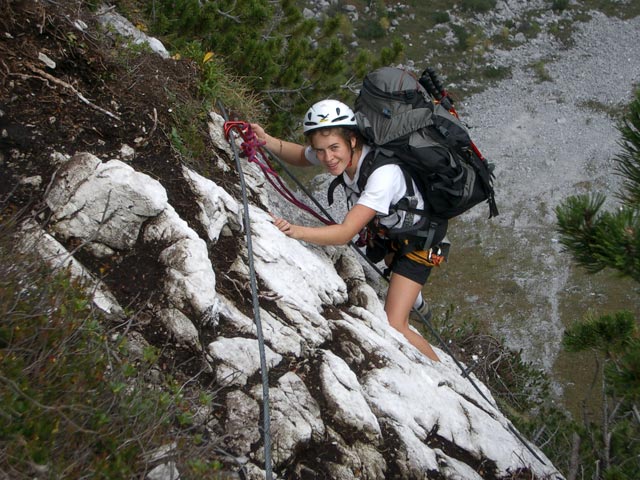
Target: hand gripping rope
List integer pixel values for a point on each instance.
(252, 149)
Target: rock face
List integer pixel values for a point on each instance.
(348, 397)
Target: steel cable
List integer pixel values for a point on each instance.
(266, 421)
(423, 319)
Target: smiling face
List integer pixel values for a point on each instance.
(335, 151)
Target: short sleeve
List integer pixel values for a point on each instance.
(385, 187)
(310, 155)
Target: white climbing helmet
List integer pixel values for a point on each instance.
(328, 113)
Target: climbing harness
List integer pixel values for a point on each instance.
(376, 235)
(431, 258)
(252, 149)
(266, 431)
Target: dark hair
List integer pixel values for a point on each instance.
(344, 132)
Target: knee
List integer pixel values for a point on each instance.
(399, 323)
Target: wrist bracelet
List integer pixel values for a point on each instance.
(280, 154)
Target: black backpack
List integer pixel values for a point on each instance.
(397, 114)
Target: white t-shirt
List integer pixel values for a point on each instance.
(385, 187)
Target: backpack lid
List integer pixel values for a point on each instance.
(392, 103)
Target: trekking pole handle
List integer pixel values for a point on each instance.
(431, 81)
(433, 85)
(446, 101)
(435, 78)
(426, 81)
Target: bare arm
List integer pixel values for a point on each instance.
(339, 234)
(292, 153)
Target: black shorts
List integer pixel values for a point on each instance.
(411, 269)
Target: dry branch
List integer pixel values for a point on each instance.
(45, 76)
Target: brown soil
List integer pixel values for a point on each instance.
(42, 115)
(132, 97)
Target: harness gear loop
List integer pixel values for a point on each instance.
(252, 149)
(431, 258)
(413, 247)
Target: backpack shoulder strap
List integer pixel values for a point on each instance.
(366, 169)
(376, 158)
(332, 186)
(369, 164)
(408, 180)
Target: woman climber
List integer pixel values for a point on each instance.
(335, 142)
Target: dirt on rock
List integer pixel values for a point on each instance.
(67, 86)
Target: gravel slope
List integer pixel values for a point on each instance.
(549, 139)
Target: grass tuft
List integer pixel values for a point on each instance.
(74, 402)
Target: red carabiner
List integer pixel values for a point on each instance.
(231, 124)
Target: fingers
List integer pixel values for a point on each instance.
(259, 131)
(282, 225)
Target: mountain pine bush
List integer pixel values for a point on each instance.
(599, 239)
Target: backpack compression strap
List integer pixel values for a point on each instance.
(376, 158)
(332, 186)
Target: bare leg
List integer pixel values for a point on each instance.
(400, 299)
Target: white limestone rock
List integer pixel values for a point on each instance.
(190, 281)
(242, 422)
(216, 132)
(181, 328)
(34, 239)
(236, 359)
(164, 471)
(168, 228)
(295, 416)
(217, 208)
(361, 293)
(290, 269)
(73, 172)
(310, 325)
(125, 28)
(254, 178)
(280, 337)
(355, 460)
(103, 202)
(345, 399)
(127, 153)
